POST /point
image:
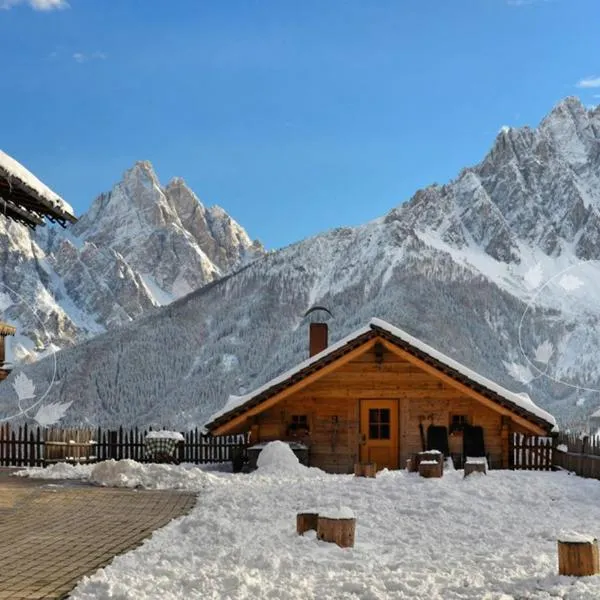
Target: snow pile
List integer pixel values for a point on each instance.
(131, 474)
(572, 537)
(164, 434)
(340, 512)
(277, 458)
(127, 473)
(491, 537)
(57, 471)
(476, 460)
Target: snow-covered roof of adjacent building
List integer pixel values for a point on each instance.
(6, 329)
(519, 403)
(24, 198)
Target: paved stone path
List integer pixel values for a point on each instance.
(52, 533)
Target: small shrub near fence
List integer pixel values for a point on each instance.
(23, 446)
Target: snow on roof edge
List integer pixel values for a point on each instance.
(16, 170)
(519, 399)
(234, 401)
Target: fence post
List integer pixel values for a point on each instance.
(583, 448)
(112, 444)
(181, 449)
(553, 450)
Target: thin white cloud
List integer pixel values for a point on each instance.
(80, 57)
(45, 5)
(524, 2)
(589, 82)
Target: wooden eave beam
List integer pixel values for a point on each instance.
(462, 387)
(293, 388)
(16, 213)
(17, 193)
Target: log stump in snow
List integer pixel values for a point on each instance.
(337, 528)
(429, 455)
(365, 469)
(430, 468)
(306, 521)
(476, 466)
(578, 555)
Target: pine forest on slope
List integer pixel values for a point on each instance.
(498, 269)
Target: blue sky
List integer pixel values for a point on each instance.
(295, 116)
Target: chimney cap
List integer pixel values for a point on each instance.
(318, 308)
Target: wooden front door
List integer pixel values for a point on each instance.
(379, 433)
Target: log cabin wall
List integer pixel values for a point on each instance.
(331, 406)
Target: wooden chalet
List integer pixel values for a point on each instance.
(25, 199)
(5, 330)
(380, 395)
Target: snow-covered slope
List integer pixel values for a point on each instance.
(498, 269)
(138, 247)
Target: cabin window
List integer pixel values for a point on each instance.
(298, 425)
(379, 423)
(458, 422)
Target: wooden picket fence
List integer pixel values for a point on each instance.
(23, 446)
(531, 452)
(579, 454)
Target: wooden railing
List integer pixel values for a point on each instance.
(25, 446)
(531, 452)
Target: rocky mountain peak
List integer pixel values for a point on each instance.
(459, 266)
(138, 246)
(536, 186)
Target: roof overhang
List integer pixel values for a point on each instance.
(427, 358)
(6, 329)
(25, 199)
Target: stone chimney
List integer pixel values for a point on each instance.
(317, 338)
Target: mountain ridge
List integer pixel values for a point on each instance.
(487, 268)
(139, 246)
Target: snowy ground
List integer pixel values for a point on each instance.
(485, 537)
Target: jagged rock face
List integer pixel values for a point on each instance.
(487, 268)
(165, 234)
(138, 247)
(536, 186)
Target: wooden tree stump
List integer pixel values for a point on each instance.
(475, 466)
(306, 522)
(365, 469)
(337, 531)
(578, 556)
(430, 455)
(430, 468)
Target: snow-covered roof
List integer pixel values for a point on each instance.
(520, 401)
(596, 413)
(6, 329)
(24, 198)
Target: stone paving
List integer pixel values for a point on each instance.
(52, 533)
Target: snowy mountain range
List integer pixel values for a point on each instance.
(499, 269)
(138, 247)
